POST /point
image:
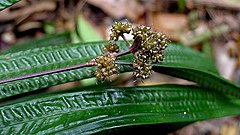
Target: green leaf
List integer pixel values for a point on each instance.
(46, 58)
(49, 28)
(193, 66)
(6, 3)
(52, 57)
(177, 56)
(85, 32)
(208, 50)
(98, 109)
(181, 5)
(204, 79)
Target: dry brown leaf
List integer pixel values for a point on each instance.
(39, 6)
(120, 8)
(170, 24)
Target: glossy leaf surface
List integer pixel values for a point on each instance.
(6, 3)
(52, 57)
(97, 109)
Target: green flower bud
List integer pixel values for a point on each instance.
(118, 29)
(151, 50)
(106, 66)
(111, 47)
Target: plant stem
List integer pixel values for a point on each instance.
(134, 47)
(124, 38)
(45, 73)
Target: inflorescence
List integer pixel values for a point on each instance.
(150, 49)
(106, 66)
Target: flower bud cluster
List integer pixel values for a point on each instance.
(111, 47)
(142, 69)
(118, 29)
(151, 50)
(106, 66)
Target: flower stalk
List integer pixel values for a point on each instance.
(147, 47)
(90, 63)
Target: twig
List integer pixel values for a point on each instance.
(134, 47)
(124, 38)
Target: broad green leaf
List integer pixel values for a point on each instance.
(204, 79)
(201, 75)
(46, 58)
(6, 3)
(97, 109)
(52, 57)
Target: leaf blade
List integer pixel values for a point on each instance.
(205, 80)
(6, 3)
(51, 57)
(98, 109)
